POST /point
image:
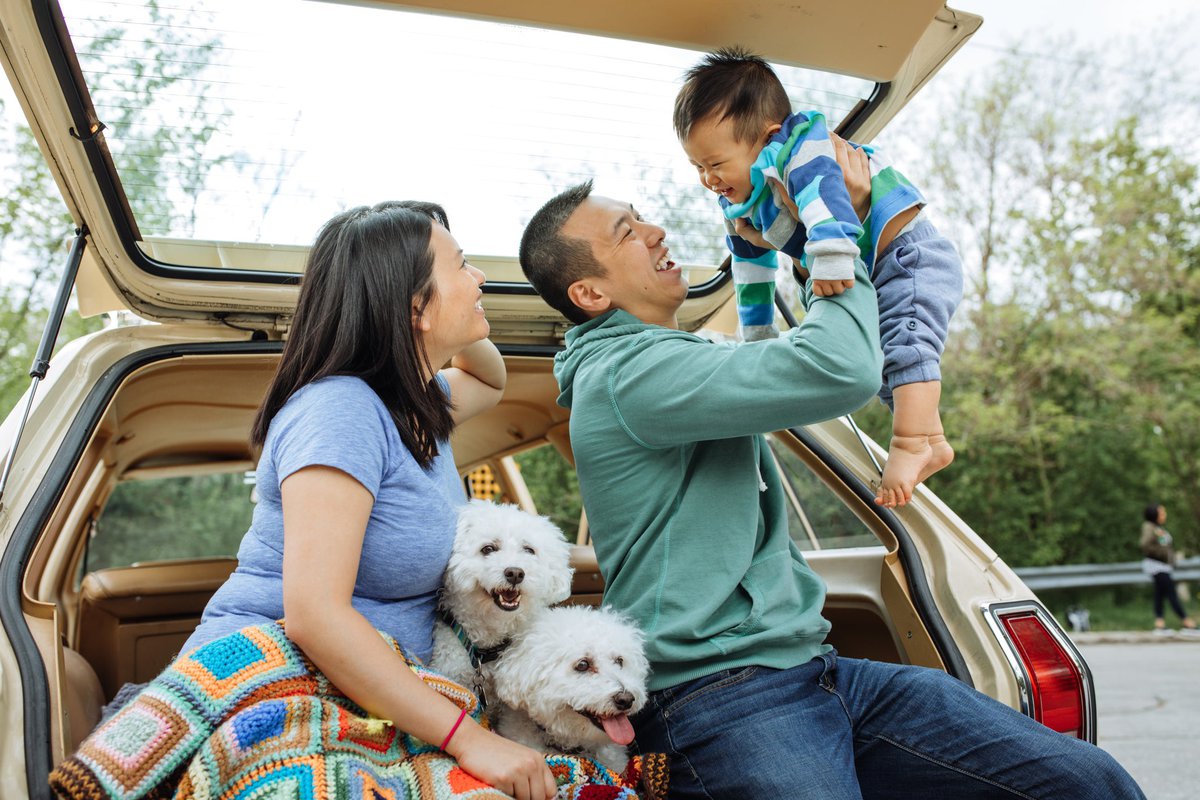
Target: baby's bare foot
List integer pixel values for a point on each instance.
(908, 456)
(943, 455)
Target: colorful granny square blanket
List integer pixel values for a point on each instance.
(249, 717)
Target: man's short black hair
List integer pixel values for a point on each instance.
(735, 84)
(552, 261)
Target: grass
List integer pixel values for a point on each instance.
(1112, 608)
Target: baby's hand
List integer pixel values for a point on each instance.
(751, 234)
(827, 288)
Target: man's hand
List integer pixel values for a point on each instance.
(857, 172)
(826, 288)
(751, 234)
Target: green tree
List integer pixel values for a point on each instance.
(162, 158)
(166, 518)
(554, 487)
(1068, 388)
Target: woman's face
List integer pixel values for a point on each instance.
(1162, 514)
(454, 316)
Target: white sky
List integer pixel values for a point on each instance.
(1094, 21)
(1006, 22)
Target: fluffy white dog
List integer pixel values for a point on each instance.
(568, 682)
(506, 566)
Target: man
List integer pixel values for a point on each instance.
(687, 516)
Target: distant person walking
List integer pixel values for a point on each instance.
(1158, 561)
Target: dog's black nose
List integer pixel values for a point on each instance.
(623, 701)
(514, 575)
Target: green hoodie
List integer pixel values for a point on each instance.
(684, 505)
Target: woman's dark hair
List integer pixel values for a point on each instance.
(367, 268)
(1151, 513)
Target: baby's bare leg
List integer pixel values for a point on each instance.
(919, 447)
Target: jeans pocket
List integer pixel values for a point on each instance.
(713, 683)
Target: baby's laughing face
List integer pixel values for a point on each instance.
(721, 160)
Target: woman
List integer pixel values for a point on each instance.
(1159, 563)
(357, 486)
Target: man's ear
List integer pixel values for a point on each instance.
(587, 295)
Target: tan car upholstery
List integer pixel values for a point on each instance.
(133, 620)
(587, 586)
(83, 697)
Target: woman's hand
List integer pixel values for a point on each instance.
(510, 767)
(857, 172)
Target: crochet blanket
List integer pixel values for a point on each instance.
(249, 716)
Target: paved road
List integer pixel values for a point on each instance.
(1148, 695)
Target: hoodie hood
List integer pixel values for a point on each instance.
(585, 339)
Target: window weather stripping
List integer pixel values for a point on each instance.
(41, 359)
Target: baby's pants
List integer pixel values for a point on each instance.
(919, 282)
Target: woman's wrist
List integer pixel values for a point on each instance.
(453, 729)
(468, 736)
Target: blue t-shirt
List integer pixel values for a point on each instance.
(340, 422)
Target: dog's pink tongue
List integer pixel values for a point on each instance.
(618, 729)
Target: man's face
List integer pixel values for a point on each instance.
(639, 275)
(722, 162)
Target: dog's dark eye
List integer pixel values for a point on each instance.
(488, 549)
(583, 665)
(620, 661)
(529, 550)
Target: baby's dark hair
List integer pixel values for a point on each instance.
(737, 85)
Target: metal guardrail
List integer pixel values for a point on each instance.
(1068, 576)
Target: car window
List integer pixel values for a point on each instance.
(226, 122)
(483, 483)
(159, 519)
(553, 486)
(817, 518)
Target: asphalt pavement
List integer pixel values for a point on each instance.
(1148, 698)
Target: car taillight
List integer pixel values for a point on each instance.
(1056, 682)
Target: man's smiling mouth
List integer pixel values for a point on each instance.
(664, 263)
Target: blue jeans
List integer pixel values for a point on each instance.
(842, 729)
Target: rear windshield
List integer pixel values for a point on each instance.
(254, 122)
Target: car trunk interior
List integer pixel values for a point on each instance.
(190, 415)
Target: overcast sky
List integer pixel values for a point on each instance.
(1093, 23)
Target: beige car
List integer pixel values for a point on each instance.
(488, 108)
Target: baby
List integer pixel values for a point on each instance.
(780, 188)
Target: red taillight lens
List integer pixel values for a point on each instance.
(1054, 680)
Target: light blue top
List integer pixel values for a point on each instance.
(340, 422)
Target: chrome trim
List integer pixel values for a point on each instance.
(991, 614)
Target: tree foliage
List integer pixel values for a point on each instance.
(159, 519)
(1071, 379)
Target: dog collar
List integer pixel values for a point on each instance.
(566, 751)
(478, 655)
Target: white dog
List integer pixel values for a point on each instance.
(506, 566)
(569, 681)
